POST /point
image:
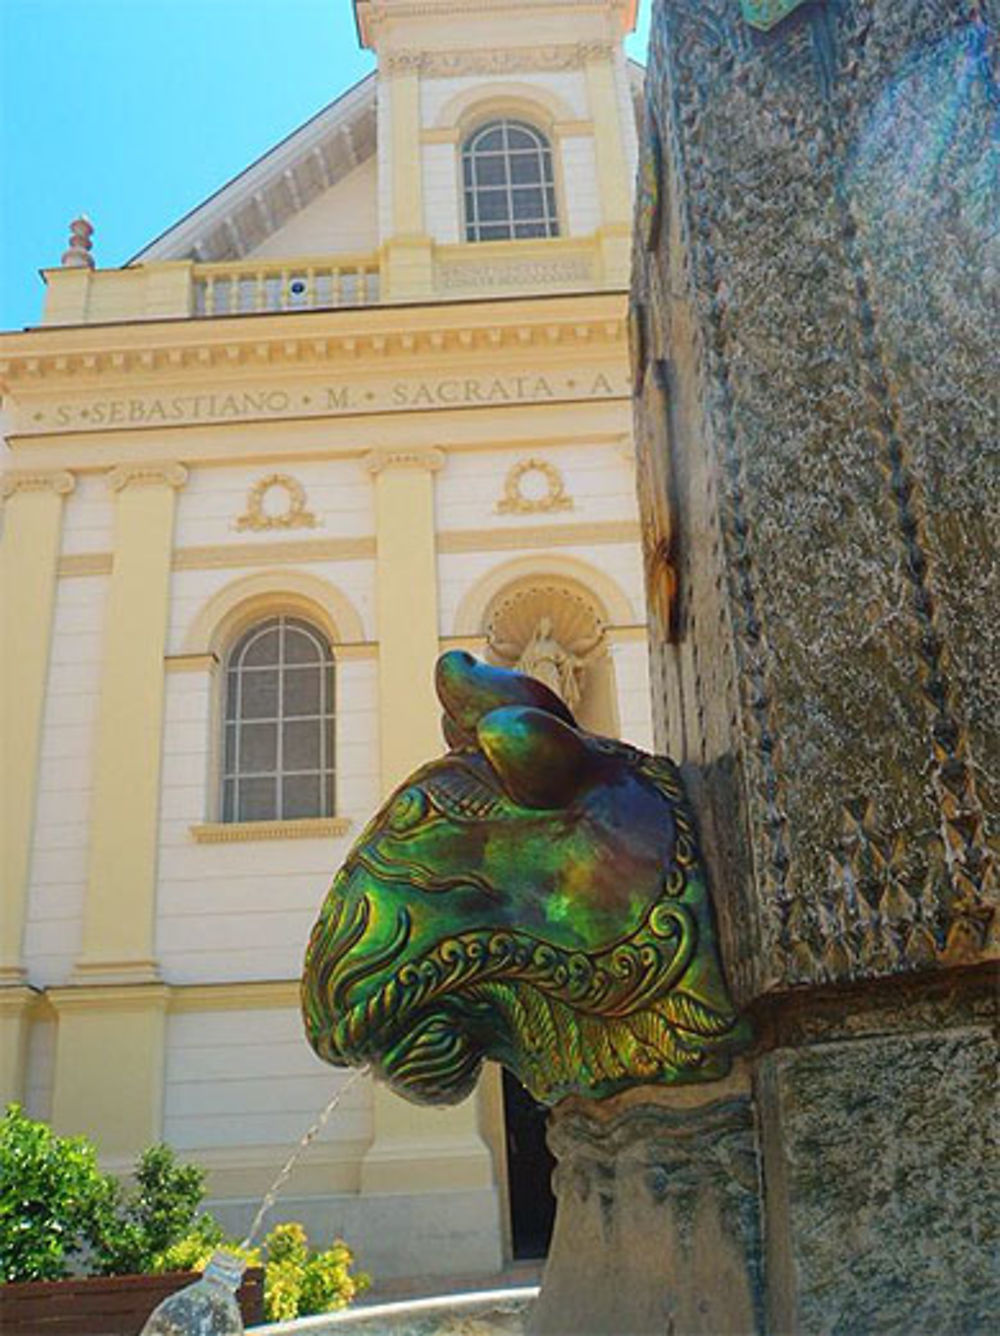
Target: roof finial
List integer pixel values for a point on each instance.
(78, 255)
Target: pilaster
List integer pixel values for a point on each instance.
(119, 910)
(406, 594)
(612, 175)
(408, 257)
(408, 268)
(414, 1149)
(404, 117)
(29, 553)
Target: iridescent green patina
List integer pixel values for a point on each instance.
(764, 14)
(535, 897)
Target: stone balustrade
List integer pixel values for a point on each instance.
(185, 289)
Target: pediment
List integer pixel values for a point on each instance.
(244, 215)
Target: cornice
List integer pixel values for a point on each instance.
(50, 356)
(375, 16)
(60, 481)
(510, 60)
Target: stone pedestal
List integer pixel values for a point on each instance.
(658, 1226)
(841, 1180)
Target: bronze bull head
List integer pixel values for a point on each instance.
(536, 897)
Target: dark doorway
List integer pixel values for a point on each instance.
(529, 1171)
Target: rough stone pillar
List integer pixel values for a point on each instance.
(817, 363)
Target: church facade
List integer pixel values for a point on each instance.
(370, 401)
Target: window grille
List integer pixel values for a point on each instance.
(278, 746)
(508, 181)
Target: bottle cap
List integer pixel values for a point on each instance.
(226, 1268)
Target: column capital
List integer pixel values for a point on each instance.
(592, 53)
(425, 457)
(151, 473)
(59, 481)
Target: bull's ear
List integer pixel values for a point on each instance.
(541, 761)
(468, 690)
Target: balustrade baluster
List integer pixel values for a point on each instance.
(229, 289)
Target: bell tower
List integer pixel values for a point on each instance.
(557, 69)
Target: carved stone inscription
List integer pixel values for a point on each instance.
(377, 395)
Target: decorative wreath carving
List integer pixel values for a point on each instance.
(294, 517)
(514, 502)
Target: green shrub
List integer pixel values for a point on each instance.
(136, 1223)
(50, 1192)
(297, 1281)
(57, 1209)
(191, 1253)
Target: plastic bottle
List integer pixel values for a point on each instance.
(208, 1307)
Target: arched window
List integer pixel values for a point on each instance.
(509, 187)
(278, 753)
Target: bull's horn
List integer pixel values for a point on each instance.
(541, 761)
(468, 690)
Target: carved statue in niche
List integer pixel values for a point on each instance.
(536, 896)
(544, 658)
(550, 632)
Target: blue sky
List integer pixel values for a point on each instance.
(134, 111)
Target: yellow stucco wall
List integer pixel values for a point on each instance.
(162, 943)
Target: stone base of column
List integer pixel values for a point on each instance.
(17, 1001)
(658, 1226)
(418, 1149)
(108, 1081)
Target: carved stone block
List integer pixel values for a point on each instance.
(658, 1227)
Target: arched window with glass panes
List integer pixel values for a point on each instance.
(278, 745)
(509, 188)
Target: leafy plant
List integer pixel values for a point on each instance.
(297, 1280)
(57, 1210)
(135, 1224)
(50, 1191)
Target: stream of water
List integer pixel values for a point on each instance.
(308, 1137)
